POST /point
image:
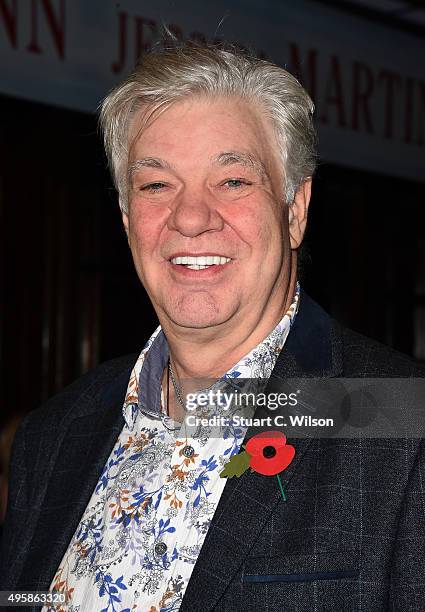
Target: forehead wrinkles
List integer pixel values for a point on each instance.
(266, 146)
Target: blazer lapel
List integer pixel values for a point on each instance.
(85, 447)
(313, 349)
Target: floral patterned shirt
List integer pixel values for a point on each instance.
(141, 533)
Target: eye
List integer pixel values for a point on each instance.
(236, 183)
(152, 187)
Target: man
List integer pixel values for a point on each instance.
(212, 153)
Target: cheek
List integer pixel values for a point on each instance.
(145, 226)
(262, 230)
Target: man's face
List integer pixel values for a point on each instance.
(206, 221)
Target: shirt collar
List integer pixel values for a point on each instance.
(144, 388)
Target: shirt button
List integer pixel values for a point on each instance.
(188, 451)
(160, 549)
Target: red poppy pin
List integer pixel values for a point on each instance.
(266, 453)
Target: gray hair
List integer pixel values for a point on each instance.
(166, 76)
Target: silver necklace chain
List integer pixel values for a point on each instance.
(176, 386)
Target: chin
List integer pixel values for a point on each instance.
(197, 311)
(199, 320)
(194, 324)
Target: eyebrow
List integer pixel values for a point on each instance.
(226, 158)
(147, 162)
(244, 159)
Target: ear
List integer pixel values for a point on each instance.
(125, 222)
(297, 214)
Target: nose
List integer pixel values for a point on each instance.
(193, 214)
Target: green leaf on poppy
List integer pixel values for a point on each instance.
(237, 465)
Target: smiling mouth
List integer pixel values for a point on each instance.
(200, 263)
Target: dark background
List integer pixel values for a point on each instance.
(71, 298)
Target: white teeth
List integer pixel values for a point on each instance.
(200, 263)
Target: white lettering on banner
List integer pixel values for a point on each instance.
(370, 101)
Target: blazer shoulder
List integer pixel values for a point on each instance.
(83, 395)
(320, 346)
(366, 357)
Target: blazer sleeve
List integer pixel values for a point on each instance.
(13, 546)
(407, 587)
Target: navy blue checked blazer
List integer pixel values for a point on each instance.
(351, 536)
